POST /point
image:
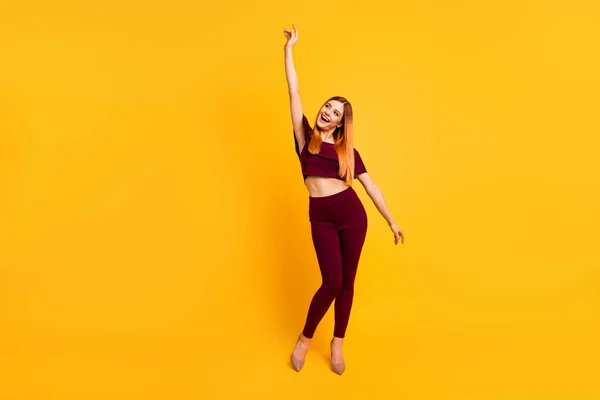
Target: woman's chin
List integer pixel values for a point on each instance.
(322, 125)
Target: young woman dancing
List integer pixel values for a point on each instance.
(337, 217)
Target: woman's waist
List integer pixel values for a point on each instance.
(320, 186)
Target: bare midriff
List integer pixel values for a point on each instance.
(320, 186)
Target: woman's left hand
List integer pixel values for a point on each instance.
(398, 234)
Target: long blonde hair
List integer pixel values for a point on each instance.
(344, 141)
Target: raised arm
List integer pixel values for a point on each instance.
(293, 88)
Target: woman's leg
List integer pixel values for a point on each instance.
(327, 245)
(352, 238)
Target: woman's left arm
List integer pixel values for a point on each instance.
(375, 194)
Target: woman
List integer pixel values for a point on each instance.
(337, 216)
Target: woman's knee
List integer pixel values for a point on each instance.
(332, 287)
(347, 284)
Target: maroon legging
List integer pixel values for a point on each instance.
(338, 227)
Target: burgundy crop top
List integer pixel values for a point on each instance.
(326, 162)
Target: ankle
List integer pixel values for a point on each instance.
(305, 340)
(337, 341)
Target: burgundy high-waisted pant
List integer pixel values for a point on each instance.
(338, 227)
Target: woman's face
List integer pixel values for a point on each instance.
(330, 115)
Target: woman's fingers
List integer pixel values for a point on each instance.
(288, 33)
(291, 34)
(398, 236)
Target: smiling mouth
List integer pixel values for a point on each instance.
(324, 118)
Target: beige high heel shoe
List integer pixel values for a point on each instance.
(297, 364)
(338, 368)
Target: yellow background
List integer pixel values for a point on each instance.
(154, 235)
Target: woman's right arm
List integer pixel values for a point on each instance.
(293, 88)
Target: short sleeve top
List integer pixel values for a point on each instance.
(326, 162)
